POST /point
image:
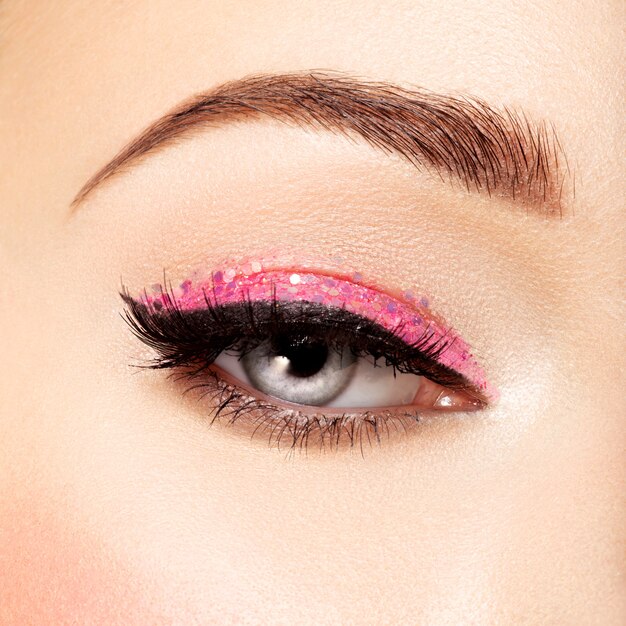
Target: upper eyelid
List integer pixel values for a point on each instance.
(407, 320)
(334, 325)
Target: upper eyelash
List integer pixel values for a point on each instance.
(190, 337)
(405, 317)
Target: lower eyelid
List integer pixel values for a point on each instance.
(218, 380)
(223, 402)
(292, 426)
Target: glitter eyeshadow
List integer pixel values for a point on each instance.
(408, 317)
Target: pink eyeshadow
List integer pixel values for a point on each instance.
(407, 318)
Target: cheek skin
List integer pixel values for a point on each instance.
(56, 570)
(61, 572)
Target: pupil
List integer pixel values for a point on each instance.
(306, 357)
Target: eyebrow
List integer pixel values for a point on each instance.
(499, 152)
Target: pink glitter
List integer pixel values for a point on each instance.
(407, 318)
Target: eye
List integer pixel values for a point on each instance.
(308, 371)
(304, 350)
(301, 370)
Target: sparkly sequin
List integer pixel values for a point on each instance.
(408, 318)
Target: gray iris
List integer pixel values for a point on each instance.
(302, 371)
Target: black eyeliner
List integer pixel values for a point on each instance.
(197, 337)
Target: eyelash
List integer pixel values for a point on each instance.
(188, 342)
(292, 429)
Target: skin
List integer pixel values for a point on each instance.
(119, 505)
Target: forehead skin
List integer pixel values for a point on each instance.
(118, 505)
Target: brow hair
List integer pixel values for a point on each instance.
(497, 151)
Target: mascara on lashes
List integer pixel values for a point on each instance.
(408, 319)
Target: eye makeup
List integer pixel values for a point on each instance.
(408, 317)
(295, 351)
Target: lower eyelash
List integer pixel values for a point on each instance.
(292, 429)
